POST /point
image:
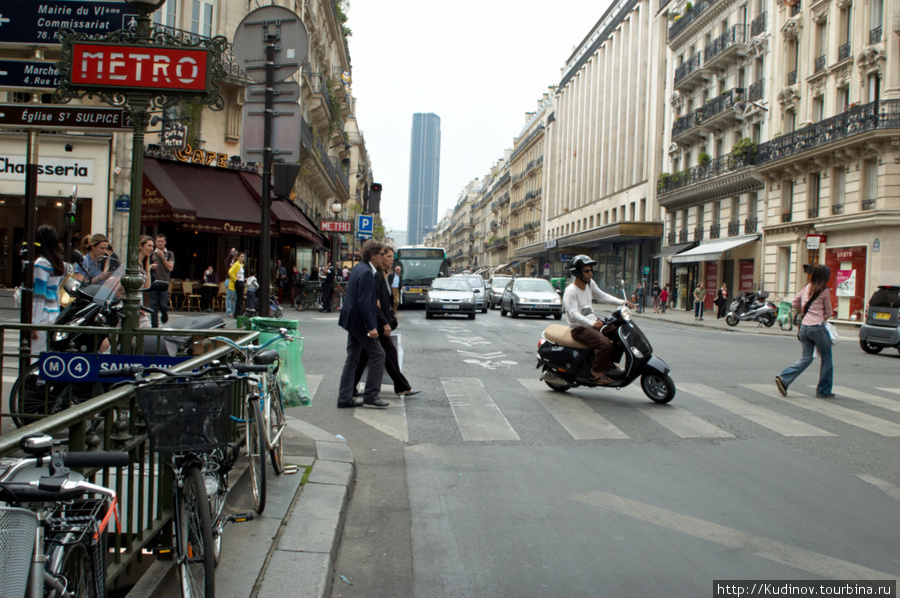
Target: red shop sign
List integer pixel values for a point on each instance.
(139, 67)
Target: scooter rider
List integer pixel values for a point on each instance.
(586, 328)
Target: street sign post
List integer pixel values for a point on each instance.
(68, 118)
(21, 74)
(365, 226)
(32, 22)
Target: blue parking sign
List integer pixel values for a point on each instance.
(365, 226)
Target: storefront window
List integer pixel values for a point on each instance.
(848, 280)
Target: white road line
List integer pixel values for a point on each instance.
(886, 487)
(312, 384)
(784, 425)
(389, 420)
(572, 413)
(681, 422)
(858, 395)
(792, 556)
(477, 416)
(827, 408)
(893, 390)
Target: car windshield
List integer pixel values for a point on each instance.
(451, 284)
(477, 282)
(500, 282)
(886, 298)
(532, 286)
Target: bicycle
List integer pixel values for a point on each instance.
(189, 418)
(308, 297)
(266, 408)
(56, 544)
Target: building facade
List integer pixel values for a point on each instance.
(424, 175)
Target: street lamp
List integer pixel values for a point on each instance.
(336, 208)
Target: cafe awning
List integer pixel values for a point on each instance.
(291, 220)
(671, 250)
(712, 251)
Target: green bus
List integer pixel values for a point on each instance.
(419, 266)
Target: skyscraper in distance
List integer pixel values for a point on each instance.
(424, 175)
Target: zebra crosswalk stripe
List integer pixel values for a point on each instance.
(827, 408)
(865, 397)
(477, 416)
(782, 424)
(573, 414)
(681, 422)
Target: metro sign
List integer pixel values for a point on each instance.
(335, 226)
(137, 67)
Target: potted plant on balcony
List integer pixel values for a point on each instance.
(744, 151)
(662, 181)
(703, 159)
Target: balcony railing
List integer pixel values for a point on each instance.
(844, 51)
(812, 212)
(758, 25)
(792, 77)
(723, 102)
(736, 34)
(756, 91)
(875, 35)
(714, 231)
(868, 204)
(750, 225)
(795, 8)
(229, 62)
(683, 236)
(687, 67)
(786, 216)
(820, 64)
(713, 168)
(881, 114)
(672, 236)
(686, 122)
(689, 16)
(698, 233)
(734, 228)
(837, 208)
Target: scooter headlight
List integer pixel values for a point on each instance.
(626, 313)
(636, 352)
(61, 336)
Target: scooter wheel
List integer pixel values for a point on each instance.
(768, 321)
(731, 320)
(660, 389)
(557, 387)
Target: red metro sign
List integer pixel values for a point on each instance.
(133, 67)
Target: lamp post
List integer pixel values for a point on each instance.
(336, 208)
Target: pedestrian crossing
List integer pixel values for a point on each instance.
(699, 411)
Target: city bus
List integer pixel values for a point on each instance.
(419, 266)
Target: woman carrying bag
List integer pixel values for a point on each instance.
(815, 301)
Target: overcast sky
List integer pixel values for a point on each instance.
(479, 65)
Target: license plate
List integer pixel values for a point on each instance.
(451, 307)
(880, 315)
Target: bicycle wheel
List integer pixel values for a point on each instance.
(194, 541)
(276, 424)
(299, 301)
(31, 395)
(78, 567)
(256, 452)
(337, 301)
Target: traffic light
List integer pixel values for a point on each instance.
(374, 204)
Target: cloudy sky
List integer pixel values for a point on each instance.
(479, 65)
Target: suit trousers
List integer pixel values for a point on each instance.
(391, 365)
(356, 344)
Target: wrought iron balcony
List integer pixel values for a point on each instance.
(734, 228)
(819, 64)
(714, 231)
(672, 236)
(795, 8)
(726, 101)
(698, 233)
(683, 236)
(686, 122)
(756, 91)
(812, 212)
(844, 51)
(750, 225)
(229, 62)
(758, 25)
(881, 114)
(792, 77)
(837, 208)
(689, 17)
(726, 44)
(712, 169)
(786, 216)
(868, 204)
(687, 68)
(875, 35)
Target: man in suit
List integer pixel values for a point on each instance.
(395, 280)
(387, 322)
(359, 317)
(328, 288)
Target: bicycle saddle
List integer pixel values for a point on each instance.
(267, 357)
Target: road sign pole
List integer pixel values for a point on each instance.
(266, 261)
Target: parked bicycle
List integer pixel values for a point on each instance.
(187, 415)
(53, 536)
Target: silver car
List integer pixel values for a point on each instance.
(478, 287)
(498, 285)
(531, 296)
(450, 296)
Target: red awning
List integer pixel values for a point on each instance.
(291, 220)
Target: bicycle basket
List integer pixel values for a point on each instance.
(188, 416)
(17, 533)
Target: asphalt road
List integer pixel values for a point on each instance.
(490, 484)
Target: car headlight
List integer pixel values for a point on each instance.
(557, 300)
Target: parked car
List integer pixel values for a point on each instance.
(882, 326)
(531, 296)
(450, 296)
(479, 288)
(498, 285)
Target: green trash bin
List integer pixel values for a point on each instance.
(558, 283)
(294, 389)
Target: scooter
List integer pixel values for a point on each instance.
(752, 307)
(565, 363)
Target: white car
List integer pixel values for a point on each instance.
(450, 296)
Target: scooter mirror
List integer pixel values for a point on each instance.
(586, 310)
(157, 286)
(77, 257)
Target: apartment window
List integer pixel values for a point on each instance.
(756, 132)
(787, 200)
(873, 87)
(752, 201)
(606, 217)
(166, 15)
(202, 17)
(784, 269)
(716, 210)
(643, 214)
(821, 39)
(876, 14)
(735, 209)
(815, 185)
(869, 179)
(818, 108)
(592, 221)
(843, 98)
(631, 212)
(838, 179)
(621, 213)
(845, 32)
(613, 215)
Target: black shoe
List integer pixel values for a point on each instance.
(408, 393)
(164, 319)
(830, 396)
(781, 387)
(350, 405)
(357, 394)
(376, 403)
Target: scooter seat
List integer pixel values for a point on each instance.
(562, 335)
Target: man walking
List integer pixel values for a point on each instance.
(162, 262)
(359, 317)
(395, 281)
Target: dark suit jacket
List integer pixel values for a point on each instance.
(385, 298)
(359, 312)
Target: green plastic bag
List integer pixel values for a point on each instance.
(294, 389)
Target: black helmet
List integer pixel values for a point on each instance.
(578, 262)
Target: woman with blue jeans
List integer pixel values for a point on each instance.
(815, 298)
